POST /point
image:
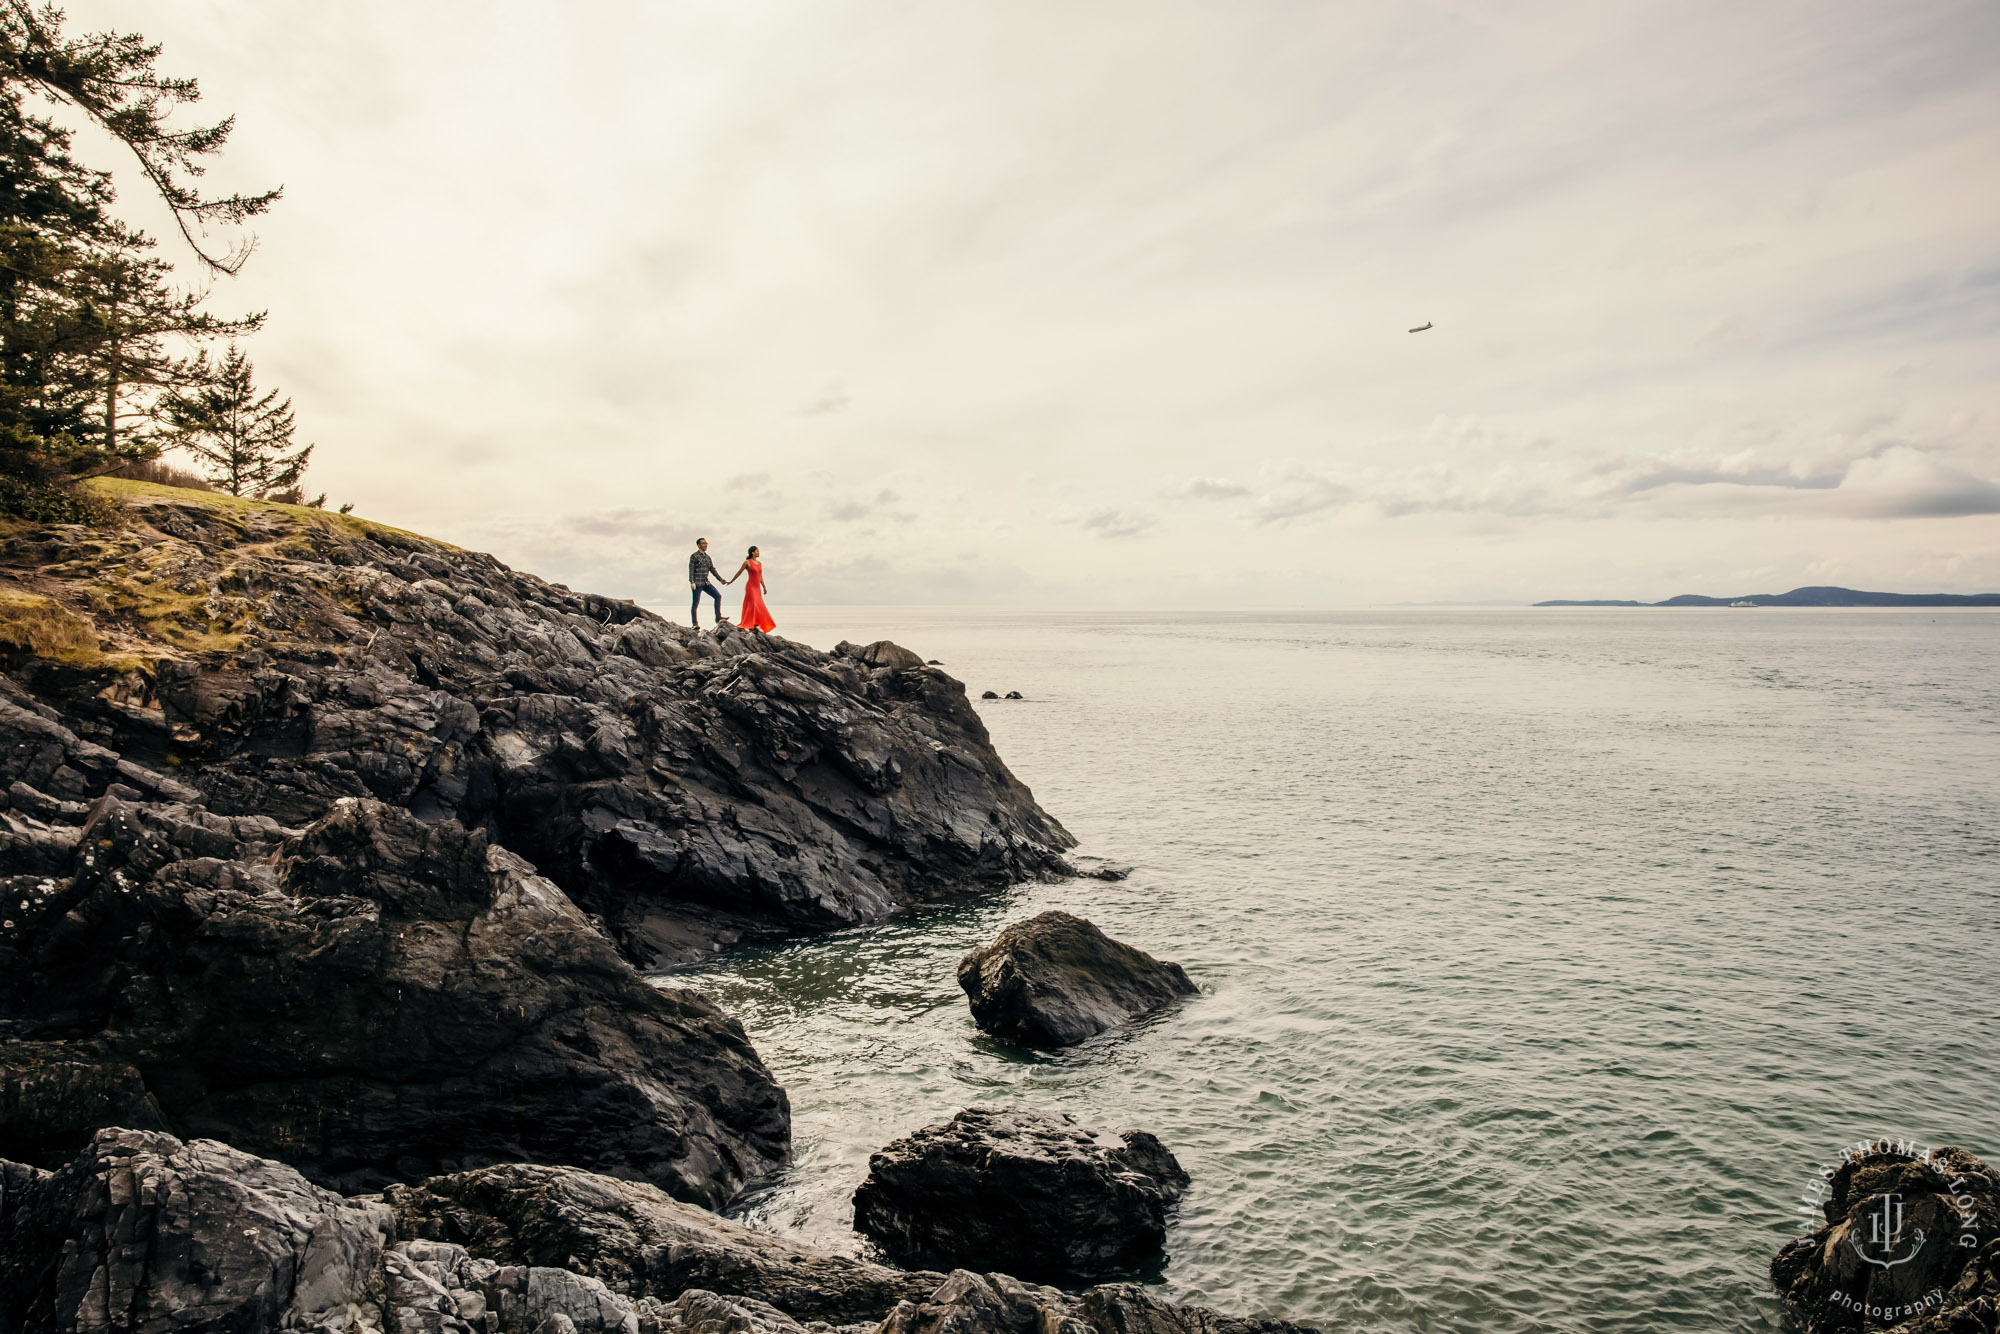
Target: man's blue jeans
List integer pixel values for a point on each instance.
(694, 603)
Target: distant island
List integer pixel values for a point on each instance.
(1817, 596)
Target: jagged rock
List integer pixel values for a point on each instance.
(1908, 1242)
(698, 1312)
(370, 999)
(143, 1232)
(642, 1243)
(146, 1233)
(969, 1303)
(1056, 979)
(1035, 1195)
(687, 791)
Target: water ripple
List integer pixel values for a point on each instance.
(1543, 955)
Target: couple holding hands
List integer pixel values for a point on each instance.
(756, 616)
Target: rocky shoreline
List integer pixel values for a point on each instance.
(331, 857)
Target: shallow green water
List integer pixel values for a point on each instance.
(1544, 954)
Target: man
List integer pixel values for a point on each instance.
(699, 568)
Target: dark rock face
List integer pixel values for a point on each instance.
(1034, 1195)
(369, 999)
(1908, 1242)
(640, 1242)
(262, 849)
(969, 1303)
(1056, 979)
(684, 789)
(146, 1233)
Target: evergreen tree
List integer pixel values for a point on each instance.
(243, 441)
(110, 78)
(92, 332)
(51, 210)
(132, 313)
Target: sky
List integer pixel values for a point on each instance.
(1097, 303)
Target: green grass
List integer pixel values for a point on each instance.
(123, 491)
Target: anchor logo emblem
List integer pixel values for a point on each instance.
(1886, 1236)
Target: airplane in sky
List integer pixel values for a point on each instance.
(1421, 327)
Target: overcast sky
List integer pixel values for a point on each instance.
(1089, 303)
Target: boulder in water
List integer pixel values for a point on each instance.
(1034, 1195)
(1910, 1242)
(1056, 979)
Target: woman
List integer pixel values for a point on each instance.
(756, 616)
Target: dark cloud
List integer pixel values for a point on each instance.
(1790, 479)
(1973, 496)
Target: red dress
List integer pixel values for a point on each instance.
(756, 616)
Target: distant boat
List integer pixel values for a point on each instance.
(1746, 604)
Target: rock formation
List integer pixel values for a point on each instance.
(324, 839)
(371, 998)
(1056, 979)
(969, 1303)
(145, 1232)
(640, 1242)
(1038, 1196)
(686, 789)
(1908, 1242)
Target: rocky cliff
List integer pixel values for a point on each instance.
(143, 1232)
(338, 844)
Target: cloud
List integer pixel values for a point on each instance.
(1786, 478)
(851, 511)
(1673, 281)
(1906, 484)
(1112, 523)
(1208, 488)
(834, 398)
(1300, 495)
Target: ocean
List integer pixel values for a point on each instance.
(1545, 955)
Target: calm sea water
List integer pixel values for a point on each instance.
(1544, 954)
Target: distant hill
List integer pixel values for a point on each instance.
(1817, 596)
